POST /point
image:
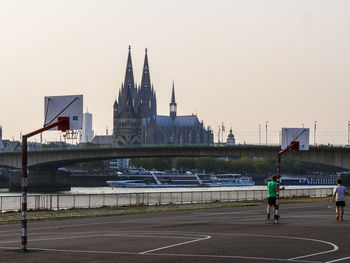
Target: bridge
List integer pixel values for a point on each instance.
(53, 158)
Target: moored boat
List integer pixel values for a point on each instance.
(160, 180)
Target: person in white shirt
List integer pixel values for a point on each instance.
(339, 193)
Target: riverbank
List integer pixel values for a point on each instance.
(15, 217)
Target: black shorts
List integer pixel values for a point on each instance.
(340, 203)
(271, 200)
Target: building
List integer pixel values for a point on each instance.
(135, 119)
(231, 138)
(87, 134)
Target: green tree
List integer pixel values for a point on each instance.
(263, 165)
(206, 164)
(183, 163)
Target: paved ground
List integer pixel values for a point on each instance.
(306, 233)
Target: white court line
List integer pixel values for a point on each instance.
(101, 235)
(157, 254)
(337, 260)
(236, 257)
(335, 247)
(175, 245)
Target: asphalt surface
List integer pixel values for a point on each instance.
(305, 233)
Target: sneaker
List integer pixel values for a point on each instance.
(268, 216)
(337, 216)
(341, 219)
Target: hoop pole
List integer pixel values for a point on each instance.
(62, 122)
(24, 193)
(294, 145)
(276, 215)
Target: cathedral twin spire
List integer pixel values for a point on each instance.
(143, 97)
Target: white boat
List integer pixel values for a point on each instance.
(160, 180)
(306, 180)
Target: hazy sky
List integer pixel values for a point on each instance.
(238, 62)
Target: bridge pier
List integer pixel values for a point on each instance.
(41, 181)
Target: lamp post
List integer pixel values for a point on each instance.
(259, 134)
(266, 130)
(219, 135)
(222, 132)
(348, 132)
(315, 123)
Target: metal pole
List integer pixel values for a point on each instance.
(276, 215)
(222, 132)
(219, 135)
(259, 134)
(266, 130)
(24, 193)
(315, 132)
(348, 132)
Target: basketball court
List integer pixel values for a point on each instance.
(305, 233)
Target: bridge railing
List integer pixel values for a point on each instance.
(71, 201)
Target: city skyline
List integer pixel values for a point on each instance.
(241, 63)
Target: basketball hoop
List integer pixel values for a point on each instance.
(61, 113)
(294, 139)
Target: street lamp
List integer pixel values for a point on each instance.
(315, 132)
(348, 132)
(266, 130)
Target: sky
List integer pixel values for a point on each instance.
(244, 63)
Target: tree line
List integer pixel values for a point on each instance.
(243, 165)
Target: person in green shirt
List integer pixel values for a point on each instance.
(271, 197)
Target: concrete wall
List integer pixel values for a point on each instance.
(41, 181)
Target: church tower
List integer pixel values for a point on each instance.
(146, 93)
(128, 83)
(128, 123)
(173, 104)
(125, 107)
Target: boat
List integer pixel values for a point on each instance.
(163, 180)
(306, 180)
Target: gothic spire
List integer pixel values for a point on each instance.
(127, 84)
(173, 95)
(146, 92)
(173, 104)
(129, 75)
(146, 80)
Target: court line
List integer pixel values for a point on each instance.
(159, 254)
(337, 260)
(175, 245)
(335, 247)
(103, 235)
(235, 257)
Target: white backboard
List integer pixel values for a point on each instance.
(296, 134)
(64, 106)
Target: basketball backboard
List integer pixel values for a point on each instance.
(64, 106)
(296, 134)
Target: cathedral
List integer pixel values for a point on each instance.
(135, 119)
